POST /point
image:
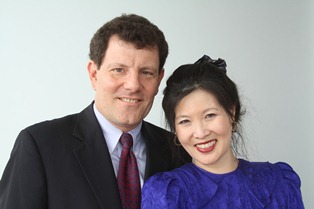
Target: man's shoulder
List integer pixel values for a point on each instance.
(56, 122)
(154, 129)
(60, 123)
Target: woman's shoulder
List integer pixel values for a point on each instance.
(288, 173)
(276, 180)
(180, 174)
(184, 187)
(167, 189)
(275, 171)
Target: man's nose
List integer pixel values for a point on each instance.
(132, 82)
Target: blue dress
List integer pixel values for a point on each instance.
(252, 185)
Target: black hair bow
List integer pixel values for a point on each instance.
(220, 63)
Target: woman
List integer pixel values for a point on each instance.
(203, 108)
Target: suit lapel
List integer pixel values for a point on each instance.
(157, 150)
(95, 161)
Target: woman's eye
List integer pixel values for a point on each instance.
(183, 122)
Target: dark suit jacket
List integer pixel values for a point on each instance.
(65, 164)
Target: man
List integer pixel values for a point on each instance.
(73, 162)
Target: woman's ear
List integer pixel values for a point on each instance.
(233, 113)
(234, 123)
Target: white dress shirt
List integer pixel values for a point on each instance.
(112, 135)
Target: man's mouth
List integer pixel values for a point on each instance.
(129, 100)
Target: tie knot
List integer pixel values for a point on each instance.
(126, 140)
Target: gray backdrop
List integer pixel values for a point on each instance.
(268, 46)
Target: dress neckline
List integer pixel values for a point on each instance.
(218, 176)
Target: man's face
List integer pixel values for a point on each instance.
(126, 83)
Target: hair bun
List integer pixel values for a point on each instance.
(220, 63)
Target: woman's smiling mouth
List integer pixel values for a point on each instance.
(207, 146)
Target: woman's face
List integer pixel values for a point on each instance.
(204, 129)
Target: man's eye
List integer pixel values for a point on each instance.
(148, 73)
(118, 70)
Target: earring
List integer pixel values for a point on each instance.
(176, 141)
(234, 127)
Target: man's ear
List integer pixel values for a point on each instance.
(92, 72)
(160, 77)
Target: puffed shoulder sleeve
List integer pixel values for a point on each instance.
(293, 183)
(161, 191)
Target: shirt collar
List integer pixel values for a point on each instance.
(112, 134)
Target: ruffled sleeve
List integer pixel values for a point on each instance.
(273, 186)
(292, 186)
(161, 191)
(187, 187)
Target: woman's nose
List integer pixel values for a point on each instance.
(201, 130)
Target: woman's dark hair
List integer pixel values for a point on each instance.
(209, 75)
(130, 28)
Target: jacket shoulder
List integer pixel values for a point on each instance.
(53, 127)
(151, 128)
